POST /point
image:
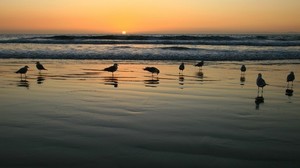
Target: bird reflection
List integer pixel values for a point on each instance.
(181, 80)
(289, 88)
(111, 81)
(289, 92)
(153, 82)
(40, 79)
(259, 100)
(242, 80)
(200, 75)
(23, 83)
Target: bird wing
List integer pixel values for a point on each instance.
(20, 70)
(108, 68)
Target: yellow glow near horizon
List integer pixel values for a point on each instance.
(149, 16)
(124, 32)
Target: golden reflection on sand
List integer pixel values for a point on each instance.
(77, 108)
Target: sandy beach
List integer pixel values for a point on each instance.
(75, 115)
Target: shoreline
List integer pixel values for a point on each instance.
(132, 119)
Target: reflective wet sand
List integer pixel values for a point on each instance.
(75, 115)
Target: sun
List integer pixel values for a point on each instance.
(123, 32)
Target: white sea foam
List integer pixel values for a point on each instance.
(151, 47)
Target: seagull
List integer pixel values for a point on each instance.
(243, 68)
(181, 67)
(199, 64)
(290, 78)
(112, 69)
(152, 70)
(260, 82)
(23, 70)
(40, 67)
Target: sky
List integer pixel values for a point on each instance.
(149, 16)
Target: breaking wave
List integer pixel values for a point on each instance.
(151, 47)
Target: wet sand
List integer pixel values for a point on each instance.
(75, 115)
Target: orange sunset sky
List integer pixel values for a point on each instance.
(149, 16)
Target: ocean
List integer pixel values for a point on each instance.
(208, 47)
(75, 114)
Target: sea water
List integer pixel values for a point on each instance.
(76, 115)
(151, 47)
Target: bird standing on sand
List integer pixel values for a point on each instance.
(40, 67)
(23, 70)
(290, 78)
(260, 82)
(152, 70)
(181, 67)
(200, 64)
(112, 69)
(243, 69)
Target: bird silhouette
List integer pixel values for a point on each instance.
(243, 78)
(243, 69)
(290, 78)
(111, 69)
(199, 64)
(39, 66)
(152, 70)
(23, 70)
(260, 82)
(181, 67)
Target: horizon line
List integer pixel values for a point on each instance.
(137, 33)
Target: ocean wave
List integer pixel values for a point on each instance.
(231, 40)
(151, 47)
(209, 55)
(177, 48)
(121, 47)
